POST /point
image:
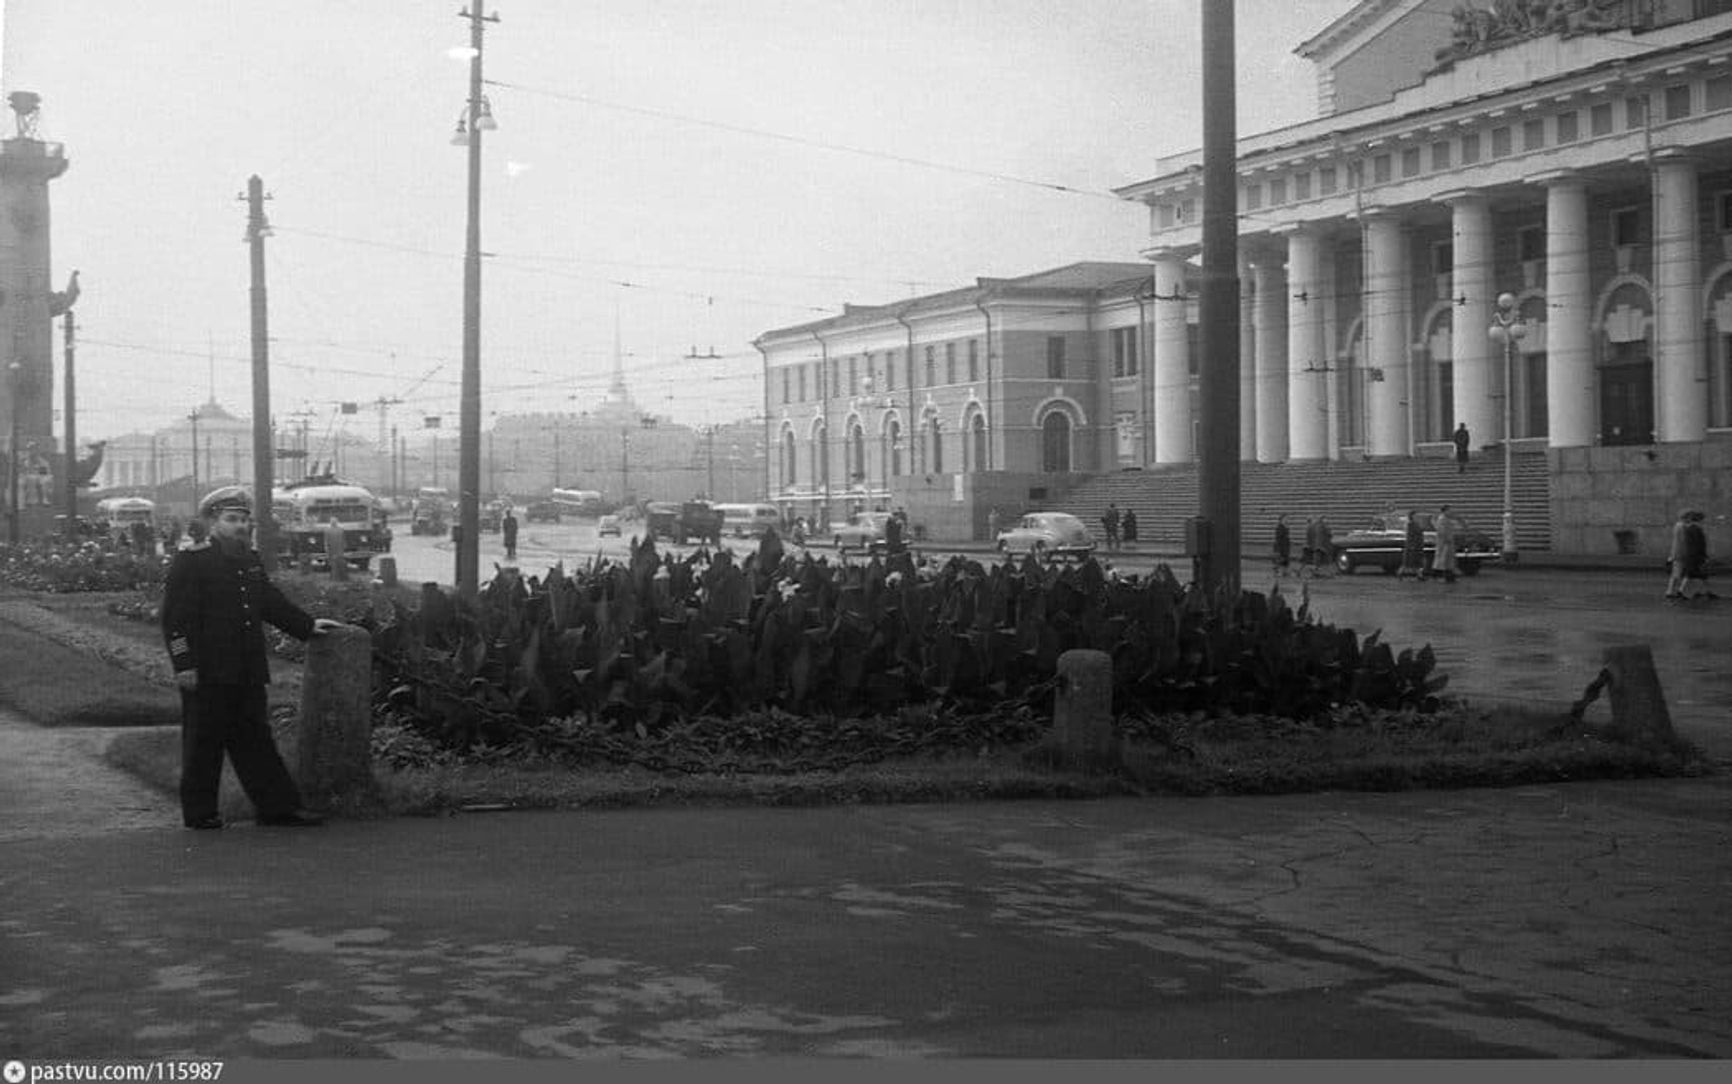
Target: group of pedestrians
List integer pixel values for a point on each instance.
(1687, 562)
(1317, 556)
(1120, 528)
(1443, 564)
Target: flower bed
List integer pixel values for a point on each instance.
(62, 567)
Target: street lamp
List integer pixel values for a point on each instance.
(477, 118)
(1508, 331)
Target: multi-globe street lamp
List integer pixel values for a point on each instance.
(1508, 331)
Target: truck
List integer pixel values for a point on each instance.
(685, 521)
(304, 510)
(431, 511)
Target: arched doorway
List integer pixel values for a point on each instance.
(976, 444)
(1055, 439)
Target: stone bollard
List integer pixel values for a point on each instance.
(1639, 714)
(1082, 713)
(336, 724)
(388, 571)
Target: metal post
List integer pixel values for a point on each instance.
(264, 460)
(15, 372)
(193, 418)
(71, 440)
(1218, 310)
(469, 438)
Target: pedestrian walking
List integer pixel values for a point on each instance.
(336, 546)
(1443, 560)
(1462, 440)
(1412, 549)
(1128, 527)
(143, 539)
(215, 603)
(1675, 556)
(993, 524)
(508, 531)
(1694, 558)
(1323, 546)
(1283, 546)
(1110, 525)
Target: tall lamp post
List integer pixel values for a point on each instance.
(1508, 331)
(477, 118)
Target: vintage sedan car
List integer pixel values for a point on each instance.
(1042, 534)
(1379, 545)
(863, 531)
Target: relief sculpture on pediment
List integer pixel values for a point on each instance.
(1481, 28)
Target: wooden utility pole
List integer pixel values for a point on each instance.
(264, 454)
(1218, 308)
(71, 440)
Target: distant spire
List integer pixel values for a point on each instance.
(617, 390)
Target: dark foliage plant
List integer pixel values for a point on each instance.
(63, 567)
(720, 654)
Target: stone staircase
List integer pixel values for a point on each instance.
(1349, 493)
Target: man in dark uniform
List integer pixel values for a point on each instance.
(508, 529)
(214, 605)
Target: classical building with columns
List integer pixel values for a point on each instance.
(1565, 168)
(1578, 159)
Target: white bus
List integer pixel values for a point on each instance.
(749, 520)
(120, 513)
(577, 502)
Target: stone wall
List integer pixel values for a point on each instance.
(1597, 493)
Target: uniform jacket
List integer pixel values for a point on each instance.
(213, 613)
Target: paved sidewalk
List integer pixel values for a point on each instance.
(1584, 920)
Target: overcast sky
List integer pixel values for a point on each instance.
(694, 166)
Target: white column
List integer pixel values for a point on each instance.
(1172, 364)
(1307, 413)
(1249, 291)
(1387, 364)
(1680, 379)
(1478, 397)
(1569, 313)
(1271, 369)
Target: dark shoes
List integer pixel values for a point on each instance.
(205, 824)
(295, 818)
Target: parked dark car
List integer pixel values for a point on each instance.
(542, 512)
(1379, 545)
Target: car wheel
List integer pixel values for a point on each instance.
(1344, 563)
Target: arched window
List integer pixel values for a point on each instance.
(977, 443)
(893, 446)
(789, 473)
(821, 455)
(1055, 443)
(937, 433)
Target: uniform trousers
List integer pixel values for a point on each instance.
(230, 718)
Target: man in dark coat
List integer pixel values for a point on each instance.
(214, 606)
(508, 531)
(1461, 440)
